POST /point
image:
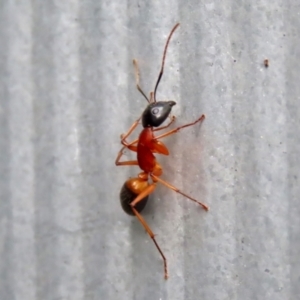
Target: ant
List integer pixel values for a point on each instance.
(135, 191)
(266, 63)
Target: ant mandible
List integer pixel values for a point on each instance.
(135, 191)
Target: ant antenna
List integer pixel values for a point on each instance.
(137, 79)
(163, 60)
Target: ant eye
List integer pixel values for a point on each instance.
(155, 111)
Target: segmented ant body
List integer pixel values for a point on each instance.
(135, 191)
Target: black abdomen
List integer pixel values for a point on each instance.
(127, 196)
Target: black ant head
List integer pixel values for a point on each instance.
(156, 113)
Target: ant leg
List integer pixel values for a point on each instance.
(178, 128)
(164, 127)
(130, 145)
(125, 163)
(137, 79)
(151, 234)
(124, 136)
(140, 197)
(155, 178)
(121, 152)
(135, 124)
(132, 127)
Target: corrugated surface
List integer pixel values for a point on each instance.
(67, 92)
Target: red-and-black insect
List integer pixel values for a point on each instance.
(135, 191)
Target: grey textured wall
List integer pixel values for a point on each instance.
(67, 92)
